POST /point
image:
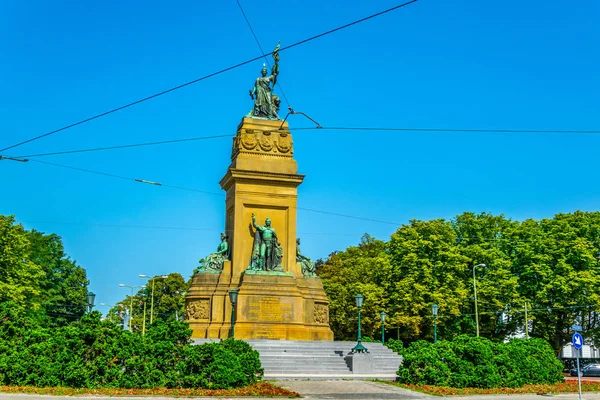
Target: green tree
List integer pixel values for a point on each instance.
(428, 268)
(64, 286)
(169, 302)
(551, 266)
(362, 269)
(559, 273)
(481, 238)
(20, 277)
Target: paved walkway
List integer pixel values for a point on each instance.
(336, 390)
(349, 390)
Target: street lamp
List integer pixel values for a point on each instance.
(434, 309)
(382, 315)
(131, 302)
(359, 348)
(90, 301)
(233, 296)
(152, 300)
(475, 292)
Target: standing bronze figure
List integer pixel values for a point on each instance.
(266, 103)
(267, 253)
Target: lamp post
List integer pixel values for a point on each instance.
(90, 301)
(382, 315)
(475, 292)
(233, 296)
(131, 301)
(359, 348)
(144, 323)
(434, 309)
(152, 296)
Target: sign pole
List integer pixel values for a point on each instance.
(578, 344)
(578, 374)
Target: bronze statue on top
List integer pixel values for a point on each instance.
(267, 253)
(266, 103)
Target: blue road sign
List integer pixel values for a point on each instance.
(577, 340)
(576, 328)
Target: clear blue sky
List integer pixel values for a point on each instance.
(441, 64)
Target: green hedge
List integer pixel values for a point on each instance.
(395, 345)
(480, 363)
(91, 354)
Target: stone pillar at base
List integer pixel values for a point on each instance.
(360, 363)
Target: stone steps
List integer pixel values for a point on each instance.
(319, 360)
(284, 359)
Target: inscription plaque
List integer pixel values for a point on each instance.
(270, 309)
(267, 335)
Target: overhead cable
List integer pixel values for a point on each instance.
(261, 49)
(199, 191)
(207, 76)
(382, 129)
(176, 228)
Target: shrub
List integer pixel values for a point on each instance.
(480, 363)
(97, 354)
(249, 358)
(395, 345)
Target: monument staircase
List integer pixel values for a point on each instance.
(316, 360)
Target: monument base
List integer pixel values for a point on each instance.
(275, 306)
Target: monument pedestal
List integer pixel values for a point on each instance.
(262, 180)
(275, 307)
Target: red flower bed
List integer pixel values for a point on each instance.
(569, 386)
(261, 389)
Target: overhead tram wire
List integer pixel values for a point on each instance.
(124, 146)
(123, 177)
(201, 191)
(452, 130)
(261, 50)
(209, 75)
(177, 228)
(458, 130)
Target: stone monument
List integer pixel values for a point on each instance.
(280, 295)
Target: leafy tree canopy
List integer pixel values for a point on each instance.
(169, 301)
(550, 266)
(36, 272)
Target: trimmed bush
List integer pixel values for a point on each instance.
(97, 354)
(395, 345)
(480, 363)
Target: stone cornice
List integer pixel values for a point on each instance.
(262, 137)
(238, 175)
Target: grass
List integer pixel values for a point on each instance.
(569, 386)
(261, 389)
